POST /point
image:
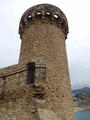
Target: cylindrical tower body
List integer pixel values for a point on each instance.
(43, 30)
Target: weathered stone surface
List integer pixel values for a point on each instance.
(43, 11)
(47, 115)
(43, 42)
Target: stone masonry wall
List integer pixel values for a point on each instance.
(18, 103)
(44, 43)
(50, 97)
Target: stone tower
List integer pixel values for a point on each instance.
(38, 87)
(43, 30)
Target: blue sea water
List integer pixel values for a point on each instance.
(83, 115)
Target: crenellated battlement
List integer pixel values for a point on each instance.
(44, 11)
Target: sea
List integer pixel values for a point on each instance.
(83, 115)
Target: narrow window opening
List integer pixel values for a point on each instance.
(29, 17)
(56, 16)
(38, 14)
(48, 13)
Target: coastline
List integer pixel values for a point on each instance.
(81, 108)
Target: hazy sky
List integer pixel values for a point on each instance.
(77, 43)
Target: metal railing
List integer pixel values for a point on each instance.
(17, 71)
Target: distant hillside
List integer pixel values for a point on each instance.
(85, 89)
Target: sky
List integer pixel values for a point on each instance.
(77, 43)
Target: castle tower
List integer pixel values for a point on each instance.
(43, 30)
